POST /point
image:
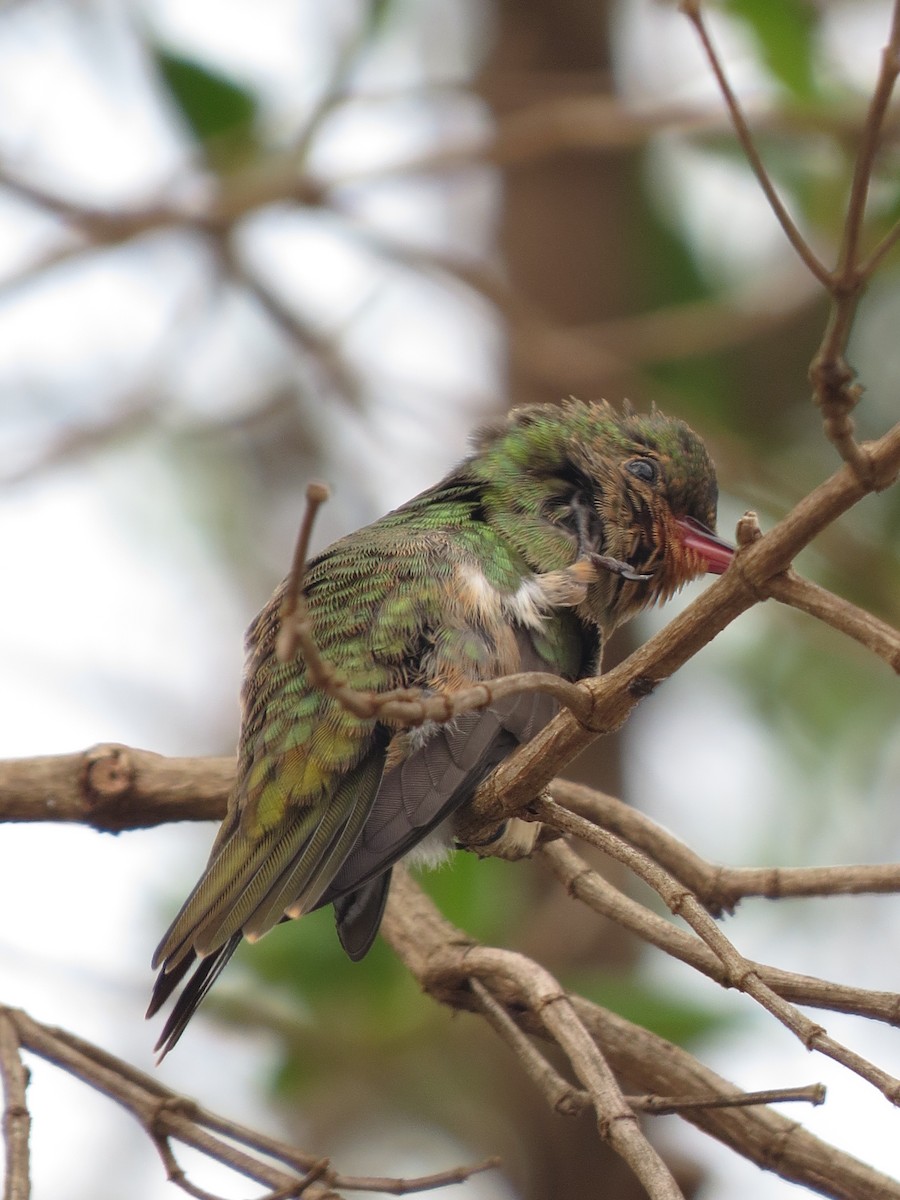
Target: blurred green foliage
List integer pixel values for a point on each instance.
(786, 36)
(212, 105)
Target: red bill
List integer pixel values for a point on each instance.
(715, 551)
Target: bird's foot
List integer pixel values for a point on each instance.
(512, 840)
(568, 588)
(615, 565)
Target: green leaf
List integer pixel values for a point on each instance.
(212, 104)
(783, 31)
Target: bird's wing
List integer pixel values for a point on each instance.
(308, 771)
(422, 791)
(389, 608)
(414, 797)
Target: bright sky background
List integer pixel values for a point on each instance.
(116, 626)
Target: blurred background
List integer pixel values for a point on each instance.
(244, 245)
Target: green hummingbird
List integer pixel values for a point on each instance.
(564, 521)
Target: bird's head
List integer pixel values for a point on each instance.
(579, 478)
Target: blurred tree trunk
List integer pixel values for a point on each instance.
(555, 244)
(557, 209)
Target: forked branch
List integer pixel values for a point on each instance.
(168, 1118)
(445, 960)
(835, 390)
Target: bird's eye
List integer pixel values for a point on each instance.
(643, 468)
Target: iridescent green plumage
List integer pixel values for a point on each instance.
(468, 581)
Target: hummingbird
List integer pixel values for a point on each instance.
(564, 522)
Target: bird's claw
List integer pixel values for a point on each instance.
(618, 567)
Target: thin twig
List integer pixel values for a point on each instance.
(16, 1117)
(740, 973)
(847, 273)
(422, 1183)
(616, 1123)
(813, 1093)
(720, 888)
(835, 391)
(164, 1115)
(876, 635)
(443, 959)
(562, 1096)
(590, 887)
(881, 251)
(568, 1100)
(691, 9)
(286, 644)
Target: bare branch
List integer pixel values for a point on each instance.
(847, 274)
(720, 888)
(881, 251)
(616, 1121)
(814, 1094)
(563, 1098)
(691, 9)
(287, 642)
(598, 893)
(835, 391)
(876, 635)
(166, 1116)
(112, 787)
(740, 973)
(833, 380)
(422, 1183)
(443, 959)
(16, 1118)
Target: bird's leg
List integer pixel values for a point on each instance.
(618, 567)
(568, 588)
(583, 513)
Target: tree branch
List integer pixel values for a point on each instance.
(444, 959)
(112, 787)
(165, 1116)
(16, 1118)
(739, 972)
(692, 10)
(876, 635)
(599, 894)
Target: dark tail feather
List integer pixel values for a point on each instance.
(358, 915)
(167, 982)
(198, 985)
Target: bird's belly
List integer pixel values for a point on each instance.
(435, 848)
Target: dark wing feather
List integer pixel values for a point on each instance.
(421, 792)
(358, 915)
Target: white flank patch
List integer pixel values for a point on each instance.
(528, 604)
(434, 850)
(477, 593)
